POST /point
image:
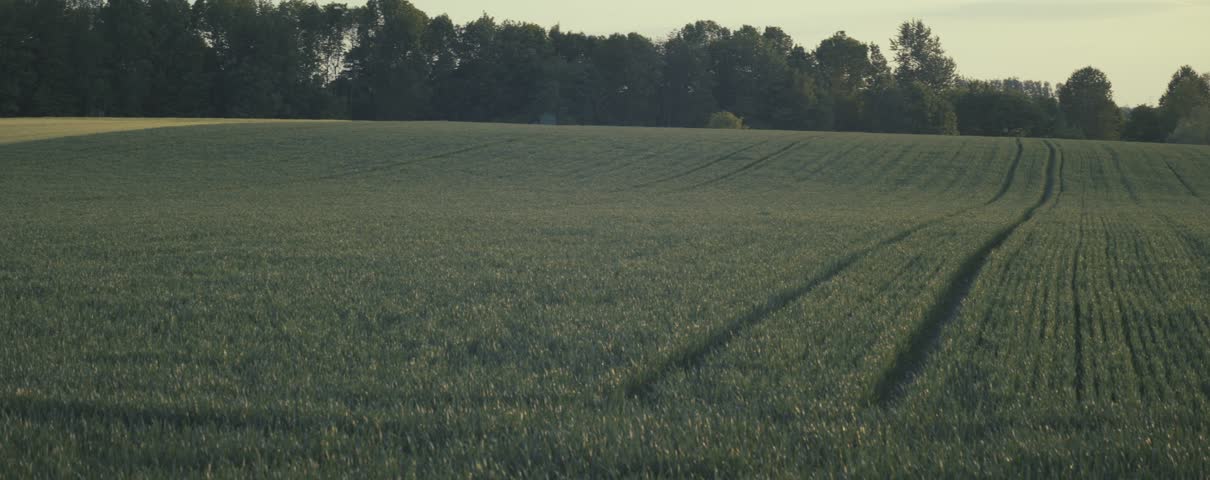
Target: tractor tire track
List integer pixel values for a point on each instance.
(393, 165)
(1079, 317)
(697, 168)
(336, 176)
(823, 163)
(634, 160)
(907, 365)
(1179, 178)
(1117, 164)
(1136, 363)
(966, 168)
(751, 165)
(365, 171)
(1012, 173)
(1062, 185)
(640, 383)
(883, 166)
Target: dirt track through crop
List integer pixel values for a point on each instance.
(1012, 172)
(895, 381)
(640, 382)
(753, 164)
(699, 167)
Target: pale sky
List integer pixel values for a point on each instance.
(1138, 43)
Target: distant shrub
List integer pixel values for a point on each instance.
(1194, 129)
(726, 120)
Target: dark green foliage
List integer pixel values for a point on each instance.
(17, 56)
(764, 79)
(910, 108)
(126, 27)
(1145, 123)
(178, 84)
(387, 60)
(991, 109)
(688, 92)
(578, 79)
(1087, 103)
(387, 67)
(506, 72)
(1186, 93)
(1194, 128)
(630, 69)
(52, 60)
(846, 70)
(920, 57)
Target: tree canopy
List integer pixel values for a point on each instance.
(388, 60)
(920, 57)
(1087, 102)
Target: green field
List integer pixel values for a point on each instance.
(432, 300)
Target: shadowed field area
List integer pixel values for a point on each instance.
(434, 299)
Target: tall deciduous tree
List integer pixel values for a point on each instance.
(126, 27)
(1087, 103)
(441, 47)
(688, 75)
(524, 90)
(18, 58)
(631, 70)
(577, 72)
(1187, 91)
(179, 84)
(755, 80)
(920, 58)
(846, 71)
(388, 68)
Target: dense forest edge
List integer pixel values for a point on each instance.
(388, 60)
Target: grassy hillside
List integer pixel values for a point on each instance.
(426, 299)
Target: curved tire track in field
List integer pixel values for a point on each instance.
(966, 167)
(699, 167)
(753, 164)
(640, 383)
(924, 340)
(1079, 317)
(609, 170)
(1179, 178)
(824, 162)
(1012, 173)
(1136, 362)
(362, 172)
(391, 165)
(1117, 164)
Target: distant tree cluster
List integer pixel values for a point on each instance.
(1183, 115)
(388, 60)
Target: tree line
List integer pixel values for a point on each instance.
(388, 60)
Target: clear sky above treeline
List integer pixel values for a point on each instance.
(1138, 43)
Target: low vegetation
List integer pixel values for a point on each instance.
(453, 300)
(725, 120)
